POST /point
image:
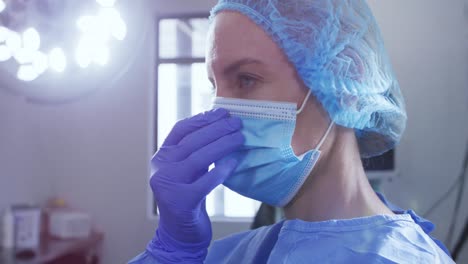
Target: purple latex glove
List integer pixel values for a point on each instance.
(181, 182)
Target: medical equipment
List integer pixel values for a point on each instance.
(66, 224)
(27, 226)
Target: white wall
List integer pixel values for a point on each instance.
(428, 44)
(21, 180)
(94, 152)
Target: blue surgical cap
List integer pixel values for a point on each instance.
(338, 51)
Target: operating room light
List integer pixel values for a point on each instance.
(57, 60)
(93, 47)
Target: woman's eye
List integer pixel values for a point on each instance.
(246, 81)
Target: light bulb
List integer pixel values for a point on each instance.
(27, 73)
(31, 39)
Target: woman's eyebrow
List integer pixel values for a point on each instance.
(233, 67)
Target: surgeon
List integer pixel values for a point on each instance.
(304, 90)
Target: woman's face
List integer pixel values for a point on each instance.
(244, 62)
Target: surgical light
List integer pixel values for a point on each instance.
(96, 32)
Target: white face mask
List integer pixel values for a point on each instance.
(269, 171)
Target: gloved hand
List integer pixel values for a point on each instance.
(181, 181)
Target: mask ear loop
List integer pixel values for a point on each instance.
(319, 146)
(329, 127)
(304, 102)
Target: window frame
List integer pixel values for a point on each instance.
(159, 61)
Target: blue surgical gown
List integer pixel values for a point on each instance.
(400, 238)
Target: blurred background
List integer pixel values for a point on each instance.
(89, 89)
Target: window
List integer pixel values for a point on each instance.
(182, 90)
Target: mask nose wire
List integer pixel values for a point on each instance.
(304, 103)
